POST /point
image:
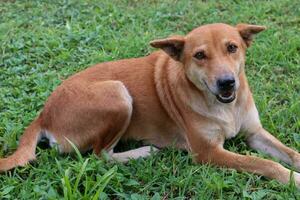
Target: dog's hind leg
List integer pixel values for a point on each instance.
(125, 156)
(93, 116)
(121, 112)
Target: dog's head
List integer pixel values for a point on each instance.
(213, 56)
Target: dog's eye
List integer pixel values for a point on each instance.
(200, 55)
(232, 48)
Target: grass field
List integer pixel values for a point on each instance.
(44, 42)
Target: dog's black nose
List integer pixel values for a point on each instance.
(226, 84)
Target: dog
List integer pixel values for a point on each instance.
(192, 92)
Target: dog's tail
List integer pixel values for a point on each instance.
(26, 149)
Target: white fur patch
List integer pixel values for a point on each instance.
(141, 152)
(52, 141)
(50, 137)
(297, 179)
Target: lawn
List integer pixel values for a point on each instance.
(44, 42)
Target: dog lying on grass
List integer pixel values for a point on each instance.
(193, 92)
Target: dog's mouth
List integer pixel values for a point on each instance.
(226, 97)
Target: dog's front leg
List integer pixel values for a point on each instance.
(260, 139)
(263, 141)
(221, 157)
(208, 148)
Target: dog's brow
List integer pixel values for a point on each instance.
(227, 41)
(202, 47)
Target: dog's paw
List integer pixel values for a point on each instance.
(141, 152)
(296, 163)
(297, 179)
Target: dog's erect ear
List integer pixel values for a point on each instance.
(247, 31)
(172, 46)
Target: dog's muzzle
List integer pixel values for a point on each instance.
(226, 88)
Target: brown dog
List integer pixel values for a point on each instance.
(194, 93)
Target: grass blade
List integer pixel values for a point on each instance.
(82, 170)
(104, 181)
(75, 149)
(67, 186)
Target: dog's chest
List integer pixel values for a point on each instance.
(221, 121)
(231, 125)
(227, 121)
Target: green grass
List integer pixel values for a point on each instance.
(44, 42)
